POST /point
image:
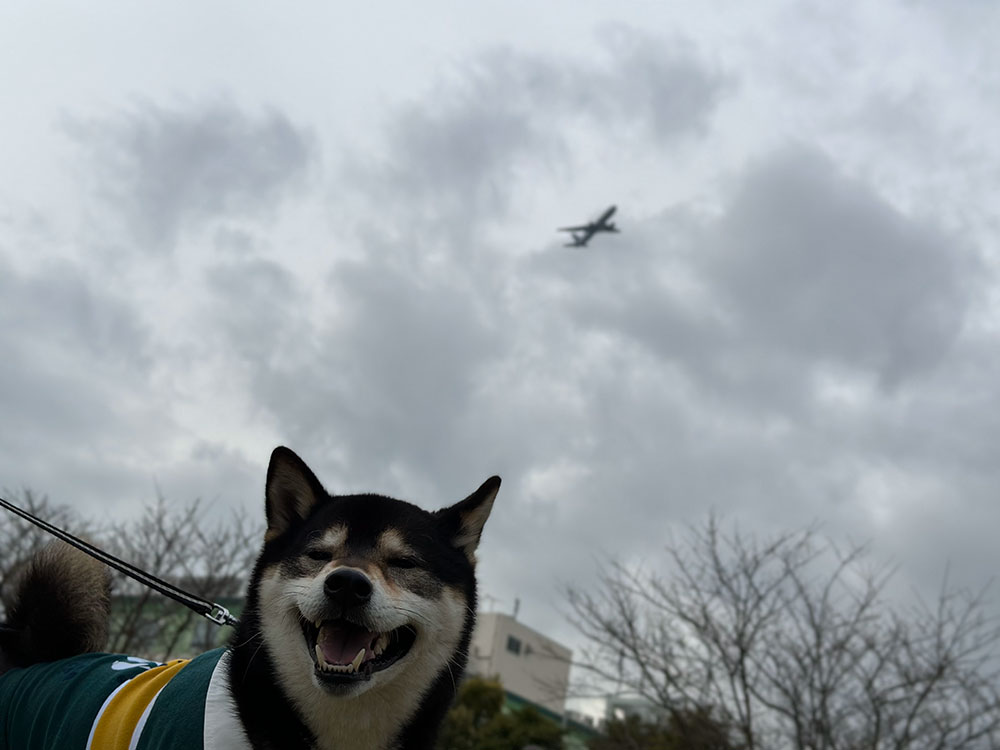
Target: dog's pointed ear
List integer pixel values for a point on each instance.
(465, 519)
(292, 491)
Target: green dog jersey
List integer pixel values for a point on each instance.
(116, 702)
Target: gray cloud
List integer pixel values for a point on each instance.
(635, 84)
(165, 170)
(252, 304)
(658, 88)
(810, 262)
(507, 114)
(804, 269)
(382, 388)
(424, 345)
(802, 350)
(62, 309)
(623, 389)
(791, 358)
(74, 378)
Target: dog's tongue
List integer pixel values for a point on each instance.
(341, 641)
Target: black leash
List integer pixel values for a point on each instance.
(210, 610)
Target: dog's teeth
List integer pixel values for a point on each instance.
(326, 666)
(380, 644)
(357, 660)
(318, 624)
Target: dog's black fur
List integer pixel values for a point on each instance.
(284, 696)
(291, 524)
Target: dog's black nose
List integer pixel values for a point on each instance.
(348, 587)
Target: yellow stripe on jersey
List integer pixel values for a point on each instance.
(116, 724)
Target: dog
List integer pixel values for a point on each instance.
(354, 635)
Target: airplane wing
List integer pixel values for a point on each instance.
(583, 233)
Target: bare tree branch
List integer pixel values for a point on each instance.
(172, 542)
(793, 643)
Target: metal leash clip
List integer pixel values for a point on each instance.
(220, 615)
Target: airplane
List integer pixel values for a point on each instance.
(582, 234)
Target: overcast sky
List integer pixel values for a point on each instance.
(229, 226)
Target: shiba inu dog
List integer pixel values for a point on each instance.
(354, 636)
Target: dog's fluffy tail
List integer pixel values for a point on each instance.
(61, 607)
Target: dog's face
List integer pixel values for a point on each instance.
(362, 593)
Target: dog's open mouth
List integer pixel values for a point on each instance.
(346, 652)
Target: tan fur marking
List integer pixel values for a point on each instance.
(334, 539)
(391, 544)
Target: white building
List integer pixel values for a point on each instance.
(527, 663)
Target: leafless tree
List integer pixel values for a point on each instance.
(175, 543)
(796, 642)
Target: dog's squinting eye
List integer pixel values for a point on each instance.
(319, 554)
(402, 562)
